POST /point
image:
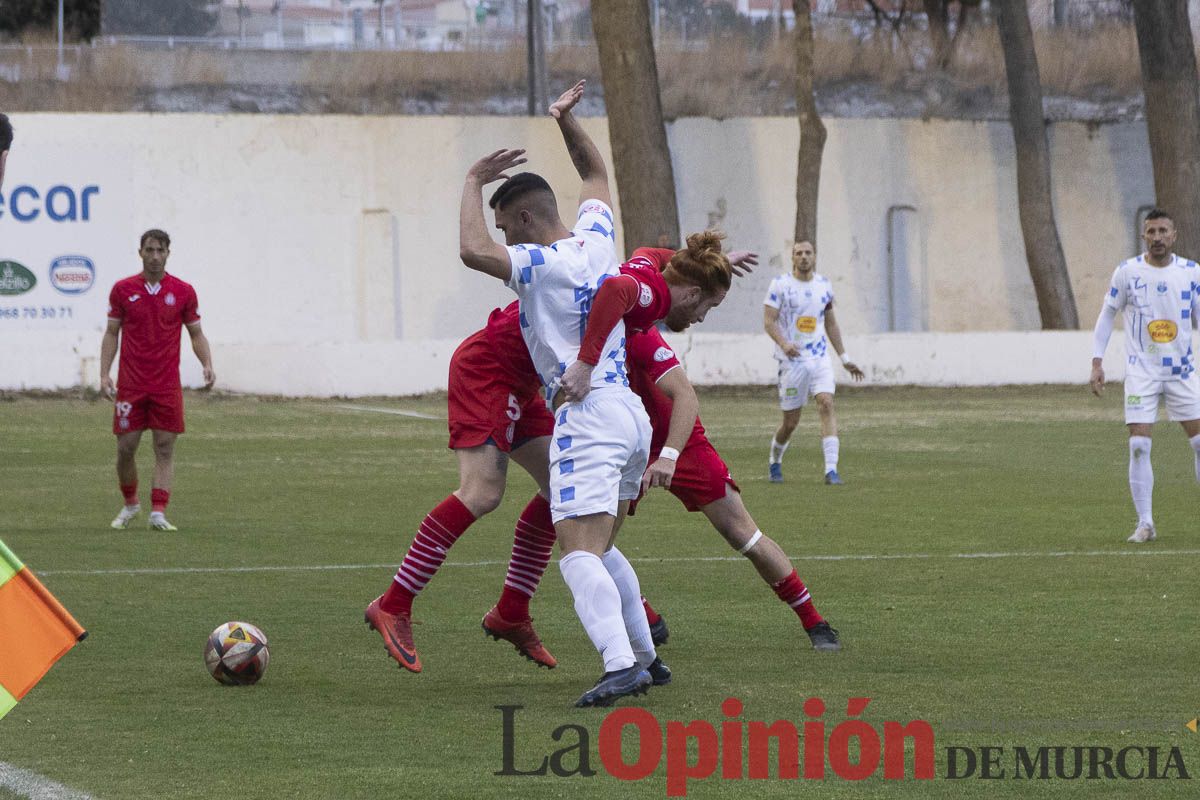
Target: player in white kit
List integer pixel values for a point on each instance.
(798, 316)
(601, 443)
(1160, 295)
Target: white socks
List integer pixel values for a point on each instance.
(1195, 443)
(829, 444)
(632, 610)
(598, 605)
(1141, 478)
(777, 451)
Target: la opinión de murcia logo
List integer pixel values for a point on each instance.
(733, 750)
(851, 750)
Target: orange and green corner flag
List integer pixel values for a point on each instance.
(35, 630)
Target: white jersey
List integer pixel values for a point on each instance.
(1160, 305)
(555, 285)
(802, 306)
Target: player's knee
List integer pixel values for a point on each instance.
(481, 499)
(825, 404)
(164, 450)
(126, 450)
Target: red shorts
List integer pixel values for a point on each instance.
(483, 406)
(158, 411)
(700, 478)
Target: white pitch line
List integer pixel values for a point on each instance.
(397, 411)
(24, 783)
(642, 559)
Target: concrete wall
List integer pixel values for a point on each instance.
(332, 241)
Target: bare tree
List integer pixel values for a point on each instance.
(1172, 112)
(641, 156)
(1043, 250)
(812, 130)
(937, 12)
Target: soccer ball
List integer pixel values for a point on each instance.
(236, 654)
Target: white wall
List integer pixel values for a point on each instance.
(324, 249)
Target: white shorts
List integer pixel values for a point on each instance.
(1141, 398)
(598, 453)
(800, 379)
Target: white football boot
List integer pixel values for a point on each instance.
(126, 516)
(1144, 532)
(158, 522)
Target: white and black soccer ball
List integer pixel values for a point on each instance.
(237, 654)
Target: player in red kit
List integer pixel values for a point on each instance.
(696, 474)
(146, 312)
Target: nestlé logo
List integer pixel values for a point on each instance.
(72, 274)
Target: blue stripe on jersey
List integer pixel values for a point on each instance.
(564, 443)
(566, 494)
(526, 274)
(536, 258)
(596, 226)
(1112, 292)
(566, 466)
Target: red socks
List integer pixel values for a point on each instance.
(425, 555)
(792, 591)
(130, 493)
(158, 499)
(651, 615)
(533, 544)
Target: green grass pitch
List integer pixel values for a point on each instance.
(1095, 647)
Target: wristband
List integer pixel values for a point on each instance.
(846, 358)
(670, 453)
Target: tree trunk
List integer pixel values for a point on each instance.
(938, 15)
(641, 157)
(1172, 113)
(812, 130)
(1043, 250)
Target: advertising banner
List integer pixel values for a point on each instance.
(65, 213)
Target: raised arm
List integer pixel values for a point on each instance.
(203, 353)
(476, 247)
(583, 151)
(835, 339)
(108, 351)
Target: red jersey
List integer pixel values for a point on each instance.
(151, 322)
(654, 295)
(504, 335)
(647, 358)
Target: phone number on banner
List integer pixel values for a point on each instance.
(35, 312)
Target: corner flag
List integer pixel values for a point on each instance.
(35, 630)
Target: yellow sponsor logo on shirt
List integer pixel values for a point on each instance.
(1163, 330)
(806, 324)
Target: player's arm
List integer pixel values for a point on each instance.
(108, 352)
(685, 407)
(835, 339)
(583, 151)
(1100, 336)
(476, 247)
(203, 352)
(771, 326)
(615, 298)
